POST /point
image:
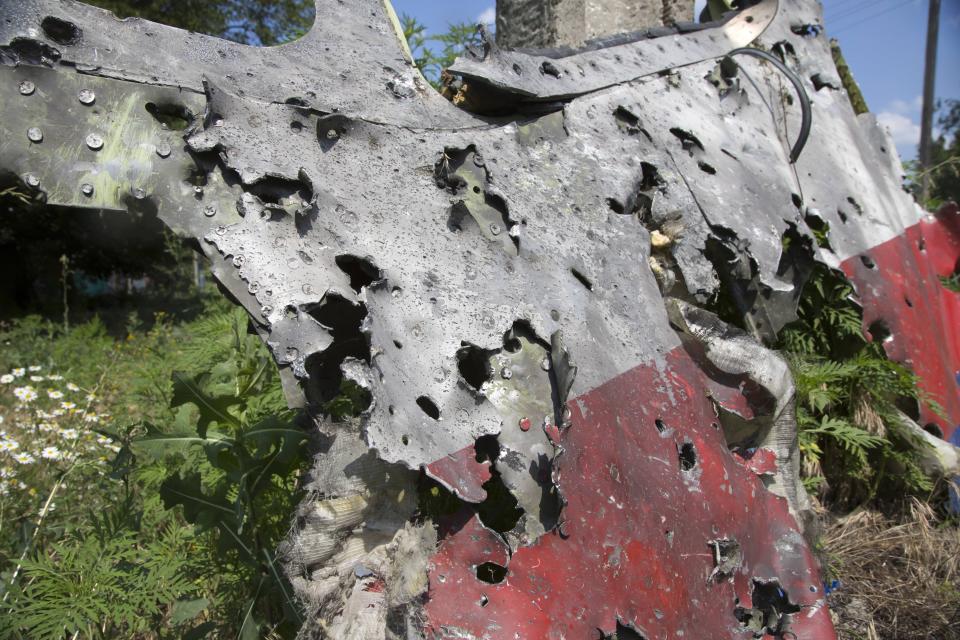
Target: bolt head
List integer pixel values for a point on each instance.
(86, 189)
(85, 96)
(94, 141)
(27, 88)
(163, 150)
(35, 134)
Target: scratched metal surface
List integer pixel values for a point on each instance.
(504, 278)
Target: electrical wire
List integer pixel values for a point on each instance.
(872, 17)
(805, 110)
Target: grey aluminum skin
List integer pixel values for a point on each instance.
(375, 232)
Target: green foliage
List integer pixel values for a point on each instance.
(850, 85)
(259, 22)
(944, 170)
(107, 583)
(205, 464)
(244, 486)
(432, 60)
(848, 398)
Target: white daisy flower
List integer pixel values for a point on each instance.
(57, 378)
(34, 368)
(104, 440)
(68, 405)
(7, 473)
(91, 397)
(54, 394)
(47, 426)
(6, 378)
(51, 453)
(72, 387)
(24, 458)
(36, 378)
(113, 448)
(4, 489)
(18, 373)
(9, 445)
(56, 413)
(25, 394)
(91, 417)
(69, 434)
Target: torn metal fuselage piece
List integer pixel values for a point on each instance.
(500, 286)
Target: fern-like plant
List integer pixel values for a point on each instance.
(849, 396)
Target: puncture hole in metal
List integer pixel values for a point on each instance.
(491, 572)
(584, 280)
(429, 407)
(661, 427)
(61, 31)
(688, 456)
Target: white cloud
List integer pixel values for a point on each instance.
(903, 130)
(489, 16)
(904, 106)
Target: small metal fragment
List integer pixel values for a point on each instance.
(138, 193)
(94, 141)
(86, 189)
(163, 150)
(35, 134)
(85, 96)
(31, 180)
(27, 88)
(545, 364)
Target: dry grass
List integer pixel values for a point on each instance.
(900, 578)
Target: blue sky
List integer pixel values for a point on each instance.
(883, 41)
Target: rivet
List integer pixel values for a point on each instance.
(138, 193)
(209, 210)
(525, 424)
(86, 189)
(85, 96)
(221, 231)
(238, 261)
(253, 287)
(31, 180)
(198, 191)
(27, 87)
(495, 229)
(506, 373)
(94, 141)
(163, 150)
(35, 134)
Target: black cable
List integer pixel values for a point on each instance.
(806, 112)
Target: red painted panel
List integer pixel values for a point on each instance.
(902, 288)
(462, 474)
(634, 543)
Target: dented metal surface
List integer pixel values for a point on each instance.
(521, 296)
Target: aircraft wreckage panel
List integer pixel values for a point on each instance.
(520, 294)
